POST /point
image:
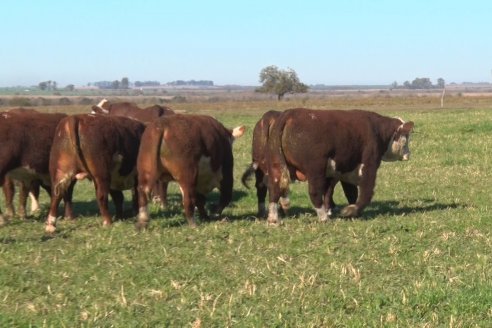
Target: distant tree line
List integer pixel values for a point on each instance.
(116, 84)
(200, 83)
(420, 83)
(140, 84)
(48, 85)
(125, 83)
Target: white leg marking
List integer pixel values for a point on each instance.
(273, 214)
(285, 203)
(34, 203)
(322, 214)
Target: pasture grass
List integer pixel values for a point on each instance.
(419, 256)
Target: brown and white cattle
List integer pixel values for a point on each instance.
(193, 150)
(131, 110)
(101, 148)
(25, 142)
(322, 145)
(144, 115)
(259, 167)
(27, 188)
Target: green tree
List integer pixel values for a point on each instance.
(441, 83)
(125, 83)
(280, 82)
(43, 85)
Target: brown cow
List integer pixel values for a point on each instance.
(26, 137)
(131, 110)
(101, 148)
(344, 145)
(144, 115)
(193, 150)
(29, 187)
(259, 167)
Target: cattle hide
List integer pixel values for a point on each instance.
(193, 150)
(101, 148)
(259, 167)
(326, 145)
(25, 142)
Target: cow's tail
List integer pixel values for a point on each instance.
(277, 154)
(248, 173)
(72, 133)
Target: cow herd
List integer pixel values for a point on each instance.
(119, 146)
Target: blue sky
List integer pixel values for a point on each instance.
(229, 42)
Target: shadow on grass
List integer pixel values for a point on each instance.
(377, 208)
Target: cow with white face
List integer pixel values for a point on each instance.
(193, 150)
(326, 146)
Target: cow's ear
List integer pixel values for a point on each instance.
(238, 131)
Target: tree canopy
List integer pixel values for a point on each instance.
(280, 82)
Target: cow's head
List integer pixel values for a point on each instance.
(237, 132)
(101, 108)
(398, 149)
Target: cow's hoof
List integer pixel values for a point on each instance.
(274, 223)
(141, 226)
(349, 211)
(49, 228)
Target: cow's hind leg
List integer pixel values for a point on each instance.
(23, 193)
(50, 224)
(102, 191)
(189, 202)
(261, 192)
(8, 192)
(317, 186)
(366, 191)
(117, 197)
(200, 204)
(351, 192)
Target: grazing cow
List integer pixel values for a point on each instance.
(131, 110)
(144, 115)
(29, 187)
(25, 142)
(101, 148)
(259, 167)
(319, 146)
(193, 150)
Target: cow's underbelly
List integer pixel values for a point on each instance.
(207, 178)
(27, 174)
(119, 182)
(352, 177)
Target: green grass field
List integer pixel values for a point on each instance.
(419, 257)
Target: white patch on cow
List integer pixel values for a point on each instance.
(119, 182)
(397, 150)
(207, 178)
(313, 116)
(143, 214)
(34, 203)
(322, 214)
(284, 203)
(100, 105)
(51, 220)
(238, 131)
(273, 214)
(352, 177)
